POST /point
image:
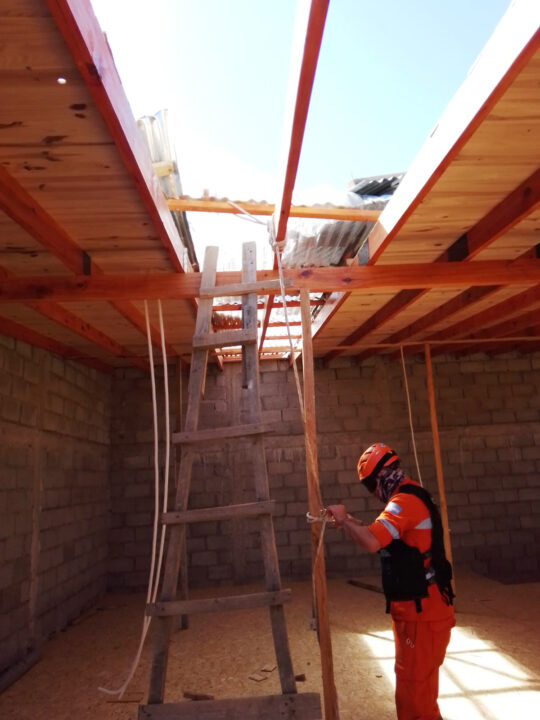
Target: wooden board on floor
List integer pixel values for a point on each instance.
(306, 706)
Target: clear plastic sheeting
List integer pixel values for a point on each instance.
(155, 132)
(320, 243)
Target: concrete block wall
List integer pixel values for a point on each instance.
(489, 423)
(54, 494)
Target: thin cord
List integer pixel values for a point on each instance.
(167, 449)
(410, 414)
(245, 215)
(151, 580)
(274, 245)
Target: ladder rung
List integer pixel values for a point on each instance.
(301, 706)
(225, 512)
(222, 433)
(225, 338)
(218, 604)
(265, 287)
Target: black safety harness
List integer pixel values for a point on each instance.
(404, 576)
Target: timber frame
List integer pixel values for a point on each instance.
(87, 235)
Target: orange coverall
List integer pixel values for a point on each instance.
(421, 638)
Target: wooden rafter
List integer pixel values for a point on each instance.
(465, 299)
(137, 319)
(527, 346)
(23, 209)
(389, 310)
(502, 346)
(61, 316)
(507, 214)
(302, 78)
(524, 323)
(515, 326)
(186, 204)
(491, 316)
(27, 335)
(498, 66)
(170, 286)
(503, 217)
(89, 48)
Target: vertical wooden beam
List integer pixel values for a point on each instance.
(315, 506)
(437, 451)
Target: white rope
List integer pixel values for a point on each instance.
(275, 247)
(167, 449)
(153, 580)
(410, 414)
(245, 215)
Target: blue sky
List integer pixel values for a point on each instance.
(386, 72)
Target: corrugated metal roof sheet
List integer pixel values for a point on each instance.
(376, 185)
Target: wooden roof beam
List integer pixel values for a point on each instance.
(503, 346)
(517, 325)
(390, 309)
(502, 218)
(88, 46)
(23, 209)
(20, 332)
(138, 320)
(301, 78)
(467, 298)
(187, 204)
(58, 314)
(491, 316)
(61, 316)
(524, 324)
(327, 279)
(514, 42)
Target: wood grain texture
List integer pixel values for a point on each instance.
(316, 506)
(306, 706)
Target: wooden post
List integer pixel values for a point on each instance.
(437, 450)
(315, 506)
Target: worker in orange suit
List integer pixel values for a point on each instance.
(416, 576)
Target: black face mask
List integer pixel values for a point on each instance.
(387, 481)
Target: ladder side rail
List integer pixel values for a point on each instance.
(197, 376)
(268, 543)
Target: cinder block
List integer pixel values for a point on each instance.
(528, 494)
(10, 409)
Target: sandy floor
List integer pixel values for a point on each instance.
(492, 669)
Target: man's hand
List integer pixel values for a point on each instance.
(354, 529)
(338, 513)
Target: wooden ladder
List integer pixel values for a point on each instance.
(305, 706)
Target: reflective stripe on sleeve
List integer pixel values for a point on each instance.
(424, 525)
(391, 529)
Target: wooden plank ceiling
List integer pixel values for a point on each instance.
(86, 234)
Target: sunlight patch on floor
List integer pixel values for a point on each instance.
(476, 682)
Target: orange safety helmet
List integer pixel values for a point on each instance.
(372, 461)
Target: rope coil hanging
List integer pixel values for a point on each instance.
(155, 567)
